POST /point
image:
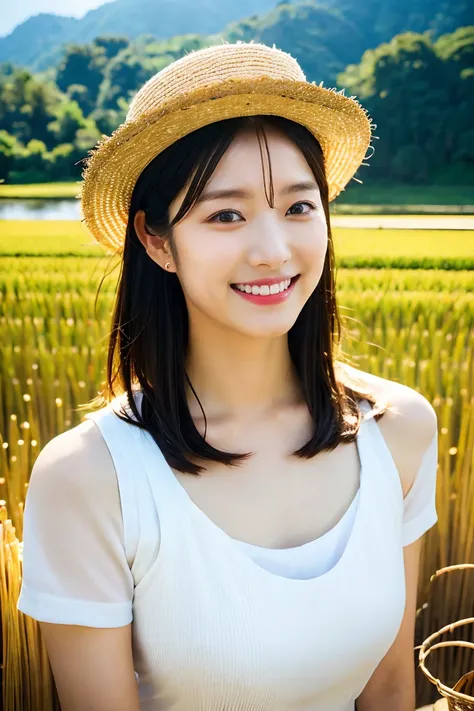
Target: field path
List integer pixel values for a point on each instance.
(422, 222)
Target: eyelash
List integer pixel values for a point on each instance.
(226, 212)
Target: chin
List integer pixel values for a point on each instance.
(264, 330)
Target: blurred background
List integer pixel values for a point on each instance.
(403, 233)
(66, 80)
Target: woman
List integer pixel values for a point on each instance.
(232, 529)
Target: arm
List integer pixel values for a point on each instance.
(392, 685)
(76, 580)
(92, 667)
(408, 430)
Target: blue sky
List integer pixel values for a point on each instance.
(13, 13)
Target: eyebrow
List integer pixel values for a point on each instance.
(305, 185)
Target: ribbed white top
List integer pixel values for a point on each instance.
(219, 625)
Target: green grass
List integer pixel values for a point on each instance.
(40, 276)
(40, 190)
(355, 248)
(406, 195)
(46, 238)
(400, 210)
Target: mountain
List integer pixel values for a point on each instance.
(323, 39)
(328, 36)
(328, 32)
(37, 42)
(383, 19)
(35, 38)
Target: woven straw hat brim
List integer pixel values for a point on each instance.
(341, 125)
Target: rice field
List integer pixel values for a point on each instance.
(355, 248)
(407, 304)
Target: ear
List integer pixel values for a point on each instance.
(156, 247)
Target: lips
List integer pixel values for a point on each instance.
(267, 300)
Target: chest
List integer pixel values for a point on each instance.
(275, 499)
(254, 639)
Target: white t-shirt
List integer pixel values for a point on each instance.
(96, 548)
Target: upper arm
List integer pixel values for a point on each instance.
(75, 569)
(93, 668)
(76, 580)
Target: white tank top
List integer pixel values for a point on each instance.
(221, 625)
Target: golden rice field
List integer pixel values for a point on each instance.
(413, 325)
(355, 248)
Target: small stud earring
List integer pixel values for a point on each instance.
(167, 265)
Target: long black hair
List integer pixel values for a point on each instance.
(149, 335)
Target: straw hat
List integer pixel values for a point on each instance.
(208, 85)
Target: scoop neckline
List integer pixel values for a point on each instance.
(264, 550)
(233, 550)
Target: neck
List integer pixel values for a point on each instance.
(240, 378)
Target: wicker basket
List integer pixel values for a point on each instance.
(461, 696)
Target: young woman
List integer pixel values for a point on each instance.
(238, 527)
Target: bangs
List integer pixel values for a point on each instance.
(220, 138)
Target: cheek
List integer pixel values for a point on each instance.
(313, 246)
(206, 263)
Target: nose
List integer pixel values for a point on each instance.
(270, 243)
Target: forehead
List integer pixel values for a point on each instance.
(252, 163)
(250, 153)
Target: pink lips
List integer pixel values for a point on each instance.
(271, 298)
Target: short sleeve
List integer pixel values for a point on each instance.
(75, 569)
(420, 503)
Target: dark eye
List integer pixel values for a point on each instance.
(299, 204)
(225, 214)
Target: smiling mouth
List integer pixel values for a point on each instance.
(293, 280)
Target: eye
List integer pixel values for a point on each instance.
(226, 214)
(298, 204)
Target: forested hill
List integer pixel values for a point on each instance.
(418, 86)
(327, 35)
(37, 42)
(341, 29)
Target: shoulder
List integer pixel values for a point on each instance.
(75, 463)
(408, 425)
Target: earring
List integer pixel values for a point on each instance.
(167, 265)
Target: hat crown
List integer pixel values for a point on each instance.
(213, 64)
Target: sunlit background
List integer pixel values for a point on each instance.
(403, 232)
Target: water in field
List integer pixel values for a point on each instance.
(68, 209)
(39, 209)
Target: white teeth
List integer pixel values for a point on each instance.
(264, 290)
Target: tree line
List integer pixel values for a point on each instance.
(418, 90)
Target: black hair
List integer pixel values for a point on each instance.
(149, 335)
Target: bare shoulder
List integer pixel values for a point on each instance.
(76, 461)
(408, 425)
